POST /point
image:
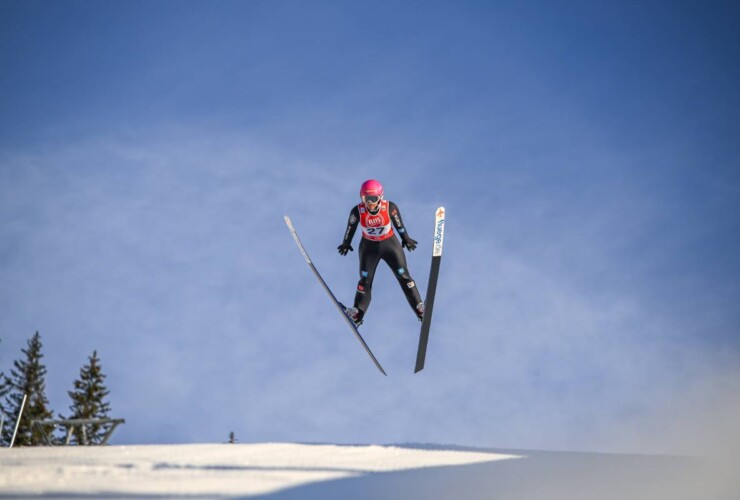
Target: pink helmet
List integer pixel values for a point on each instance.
(371, 188)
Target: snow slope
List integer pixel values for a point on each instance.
(282, 471)
(252, 469)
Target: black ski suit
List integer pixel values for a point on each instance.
(373, 250)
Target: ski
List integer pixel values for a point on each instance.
(439, 233)
(339, 306)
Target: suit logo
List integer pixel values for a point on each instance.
(374, 221)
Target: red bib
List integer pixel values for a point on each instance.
(376, 227)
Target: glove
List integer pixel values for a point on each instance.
(409, 243)
(344, 248)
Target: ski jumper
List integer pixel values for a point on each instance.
(379, 242)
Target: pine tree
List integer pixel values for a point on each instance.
(88, 401)
(27, 377)
(4, 389)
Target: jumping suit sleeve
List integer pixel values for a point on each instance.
(406, 240)
(349, 233)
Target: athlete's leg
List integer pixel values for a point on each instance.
(369, 257)
(392, 254)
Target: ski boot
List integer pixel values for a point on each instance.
(352, 313)
(420, 311)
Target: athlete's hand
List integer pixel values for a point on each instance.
(409, 243)
(344, 248)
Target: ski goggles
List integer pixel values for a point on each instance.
(371, 199)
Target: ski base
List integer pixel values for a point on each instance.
(337, 304)
(439, 229)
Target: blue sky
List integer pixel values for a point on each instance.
(586, 152)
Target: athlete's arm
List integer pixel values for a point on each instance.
(349, 233)
(398, 223)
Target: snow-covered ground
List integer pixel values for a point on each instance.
(283, 470)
